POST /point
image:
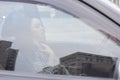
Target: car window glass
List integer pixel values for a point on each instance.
(44, 40)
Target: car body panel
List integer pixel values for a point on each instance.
(7, 75)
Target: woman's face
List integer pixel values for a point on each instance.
(37, 30)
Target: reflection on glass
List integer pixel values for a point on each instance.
(49, 41)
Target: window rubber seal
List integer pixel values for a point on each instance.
(105, 15)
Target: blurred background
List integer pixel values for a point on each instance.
(117, 2)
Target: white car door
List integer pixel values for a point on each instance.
(46, 31)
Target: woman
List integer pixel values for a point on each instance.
(25, 29)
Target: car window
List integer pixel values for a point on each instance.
(45, 40)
